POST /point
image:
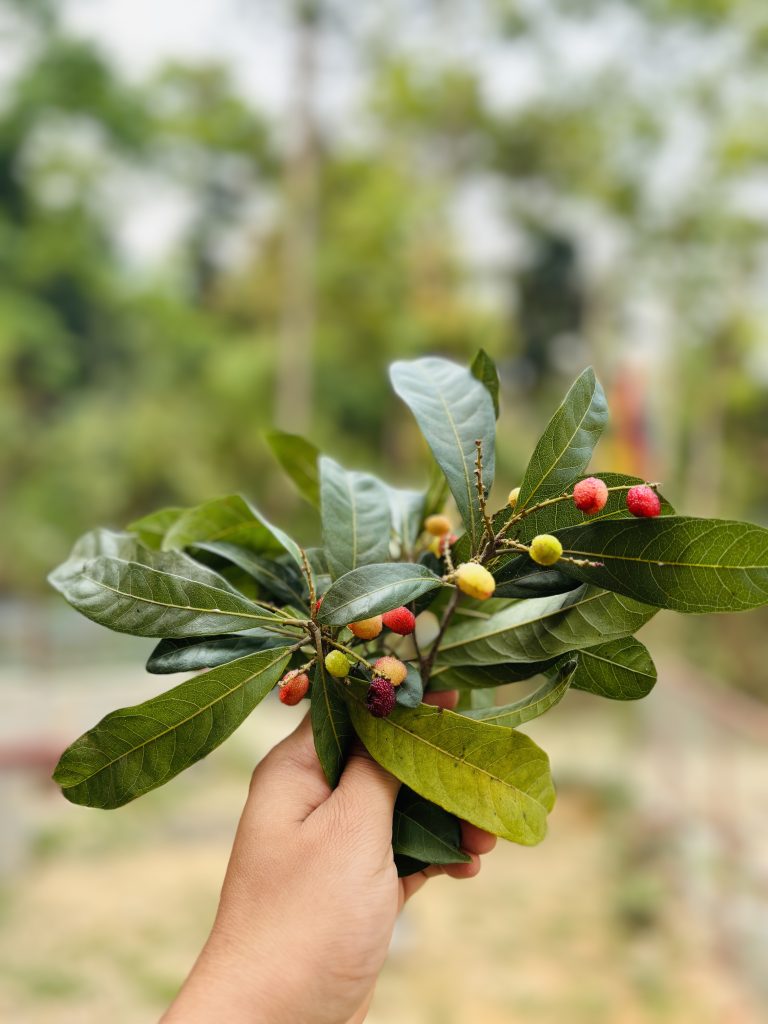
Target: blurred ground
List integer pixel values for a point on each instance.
(648, 902)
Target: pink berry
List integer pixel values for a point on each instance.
(643, 501)
(293, 687)
(590, 495)
(400, 620)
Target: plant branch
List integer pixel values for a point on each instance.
(487, 521)
(428, 661)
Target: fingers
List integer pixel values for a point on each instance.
(476, 840)
(367, 787)
(290, 779)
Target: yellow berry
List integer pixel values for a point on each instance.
(390, 668)
(367, 629)
(337, 664)
(514, 494)
(546, 549)
(475, 581)
(437, 525)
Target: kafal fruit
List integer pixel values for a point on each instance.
(293, 687)
(437, 525)
(514, 497)
(474, 580)
(643, 502)
(367, 629)
(438, 545)
(546, 549)
(400, 620)
(337, 664)
(590, 495)
(391, 668)
(380, 699)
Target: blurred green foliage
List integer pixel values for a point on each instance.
(127, 385)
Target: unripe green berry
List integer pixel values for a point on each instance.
(546, 549)
(337, 664)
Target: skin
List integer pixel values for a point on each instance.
(311, 894)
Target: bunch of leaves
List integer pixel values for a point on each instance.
(234, 599)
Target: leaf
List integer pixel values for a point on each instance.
(542, 627)
(130, 597)
(494, 778)
(532, 581)
(565, 448)
(453, 409)
(437, 490)
(152, 529)
(373, 589)
(298, 457)
(425, 832)
(686, 564)
(136, 749)
(620, 670)
(484, 369)
(407, 512)
(409, 693)
(356, 518)
(281, 582)
(464, 677)
(202, 652)
(331, 725)
(474, 699)
(527, 708)
(234, 520)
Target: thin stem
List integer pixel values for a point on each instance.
(481, 490)
(310, 581)
(429, 660)
(568, 496)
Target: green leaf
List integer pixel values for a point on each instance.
(494, 778)
(484, 369)
(425, 832)
(686, 564)
(527, 708)
(373, 589)
(407, 512)
(136, 749)
(453, 409)
(130, 597)
(468, 677)
(475, 699)
(202, 652)
(620, 670)
(409, 693)
(542, 628)
(565, 448)
(527, 581)
(356, 518)
(437, 490)
(298, 457)
(152, 529)
(234, 520)
(282, 582)
(331, 725)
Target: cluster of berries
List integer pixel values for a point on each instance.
(590, 496)
(443, 537)
(388, 672)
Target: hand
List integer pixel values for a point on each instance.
(310, 896)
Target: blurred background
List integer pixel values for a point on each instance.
(223, 216)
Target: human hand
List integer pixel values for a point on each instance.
(311, 894)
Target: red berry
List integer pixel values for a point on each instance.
(643, 501)
(590, 495)
(380, 699)
(400, 620)
(318, 602)
(293, 687)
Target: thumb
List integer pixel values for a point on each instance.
(366, 788)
